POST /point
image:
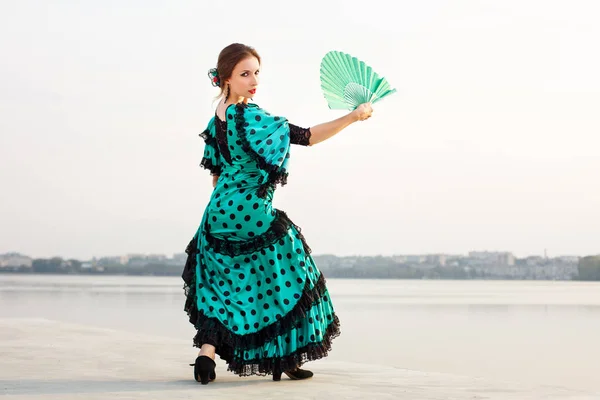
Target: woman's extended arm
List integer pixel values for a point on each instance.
(326, 130)
(215, 179)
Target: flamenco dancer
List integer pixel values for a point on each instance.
(253, 291)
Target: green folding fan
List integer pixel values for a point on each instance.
(348, 82)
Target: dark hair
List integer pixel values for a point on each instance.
(229, 57)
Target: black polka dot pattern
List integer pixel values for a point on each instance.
(251, 292)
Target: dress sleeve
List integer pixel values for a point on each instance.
(266, 139)
(211, 159)
(299, 136)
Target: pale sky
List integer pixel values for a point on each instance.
(491, 142)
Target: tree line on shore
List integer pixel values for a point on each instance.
(588, 270)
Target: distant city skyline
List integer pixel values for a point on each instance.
(475, 265)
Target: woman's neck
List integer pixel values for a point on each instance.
(235, 99)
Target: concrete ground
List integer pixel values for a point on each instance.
(43, 359)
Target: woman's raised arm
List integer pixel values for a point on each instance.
(326, 130)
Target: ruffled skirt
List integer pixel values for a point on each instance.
(263, 303)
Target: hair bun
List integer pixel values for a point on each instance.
(213, 74)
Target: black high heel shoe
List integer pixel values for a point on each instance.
(204, 369)
(295, 375)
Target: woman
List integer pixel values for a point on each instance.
(253, 291)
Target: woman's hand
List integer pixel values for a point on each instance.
(362, 112)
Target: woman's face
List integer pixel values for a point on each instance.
(244, 78)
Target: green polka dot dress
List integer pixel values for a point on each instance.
(252, 288)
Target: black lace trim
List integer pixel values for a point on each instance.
(205, 162)
(275, 175)
(300, 136)
(221, 139)
(274, 178)
(212, 331)
(208, 139)
(278, 229)
(310, 352)
(189, 278)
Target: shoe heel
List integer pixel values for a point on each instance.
(276, 374)
(204, 369)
